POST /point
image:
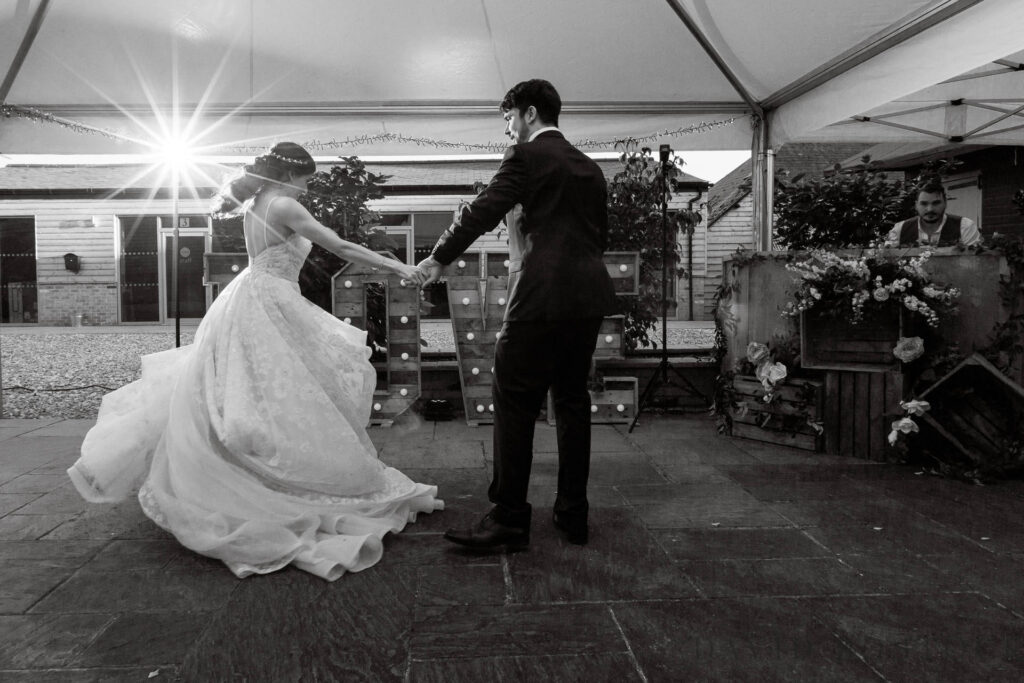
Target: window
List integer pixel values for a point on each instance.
(18, 271)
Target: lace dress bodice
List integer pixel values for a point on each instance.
(282, 260)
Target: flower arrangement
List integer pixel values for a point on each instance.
(846, 285)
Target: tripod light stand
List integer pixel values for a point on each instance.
(660, 376)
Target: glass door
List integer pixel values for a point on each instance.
(191, 292)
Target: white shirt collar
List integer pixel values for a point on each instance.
(924, 236)
(542, 130)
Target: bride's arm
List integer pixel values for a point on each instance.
(296, 217)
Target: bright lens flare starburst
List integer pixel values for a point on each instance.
(176, 152)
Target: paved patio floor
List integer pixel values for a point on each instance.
(711, 559)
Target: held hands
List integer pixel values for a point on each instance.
(411, 275)
(430, 269)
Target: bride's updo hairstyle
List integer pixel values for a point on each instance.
(274, 165)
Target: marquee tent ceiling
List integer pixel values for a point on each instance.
(407, 76)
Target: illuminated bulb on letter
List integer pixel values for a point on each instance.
(376, 406)
(490, 407)
(348, 320)
(405, 356)
(497, 335)
(506, 263)
(621, 408)
(404, 318)
(348, 284)
(623, 268)
(470, 336)
(480, 409)
(404, 392)
(462, 264)
(593, 409)
(234, 267)
(608, 339)
(465, 301)
(475, 371)
(501, 301)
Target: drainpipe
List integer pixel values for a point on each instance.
(689, 254)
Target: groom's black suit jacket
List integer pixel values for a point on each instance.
(558, 230)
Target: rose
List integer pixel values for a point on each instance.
(757, 353)
(904, 425)
(915, 407)
(881, 294)
(908, 349)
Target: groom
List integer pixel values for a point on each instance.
(559, 290)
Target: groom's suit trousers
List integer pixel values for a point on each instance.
(530, 357)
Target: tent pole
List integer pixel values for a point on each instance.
(23, 48)
(762, 184)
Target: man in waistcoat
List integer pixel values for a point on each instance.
(933, 226)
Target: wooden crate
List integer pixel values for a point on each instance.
(835, 343)
(611, 339)
(398, 377)
(976, 410)
(772, 422)
(477, 296)
(616, 404)
(859, 409)
(624, 270)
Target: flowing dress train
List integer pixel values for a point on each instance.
(249, 445)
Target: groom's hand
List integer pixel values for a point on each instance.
(431, 270)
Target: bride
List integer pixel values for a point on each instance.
(250, 445)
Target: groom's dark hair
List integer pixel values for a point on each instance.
(536, 93)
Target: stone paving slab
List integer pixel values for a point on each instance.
(710, 559)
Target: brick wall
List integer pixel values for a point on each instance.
(60, 303)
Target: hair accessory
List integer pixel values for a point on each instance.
(287, 160)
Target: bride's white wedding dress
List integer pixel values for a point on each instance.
(249, 445)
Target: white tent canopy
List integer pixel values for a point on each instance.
(407, 76)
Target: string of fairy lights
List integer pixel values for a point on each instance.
(319, 145)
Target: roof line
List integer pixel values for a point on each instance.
(394, 108)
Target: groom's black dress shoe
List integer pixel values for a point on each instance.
(490, 533)
(576, 531)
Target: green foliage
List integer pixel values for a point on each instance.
(1006, 345)
(840, 210)
(635, 198)
(228, 236)
(846, 209)
(337, 199)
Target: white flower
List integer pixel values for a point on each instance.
(770, 373)
(881, 294)
(904, 425)
(915, 407)
(908, 349)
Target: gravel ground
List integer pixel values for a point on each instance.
(66, 374)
